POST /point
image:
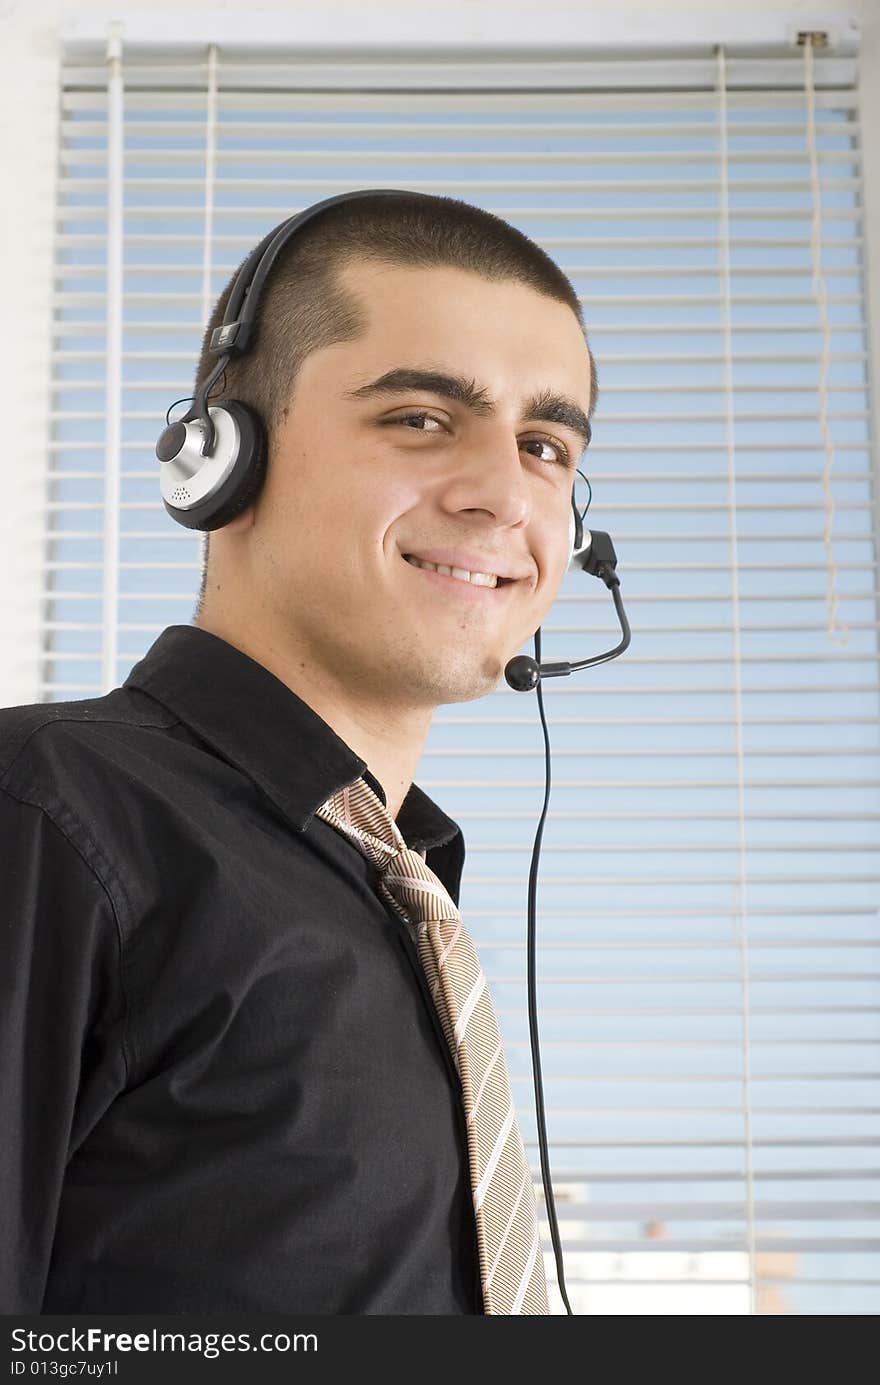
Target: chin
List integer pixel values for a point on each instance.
(459, 681)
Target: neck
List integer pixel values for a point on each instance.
(388, 736)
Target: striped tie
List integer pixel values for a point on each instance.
(511, 1261)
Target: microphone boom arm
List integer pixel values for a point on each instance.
(524, 673)
(558, 670)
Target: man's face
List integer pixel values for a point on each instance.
(358, 478)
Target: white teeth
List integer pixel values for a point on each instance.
(477, 579)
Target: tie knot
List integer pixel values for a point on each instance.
(417, 889)
(360, 815)
(406, 855)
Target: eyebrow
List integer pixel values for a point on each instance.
(544, 407)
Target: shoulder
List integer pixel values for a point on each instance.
(73, 761)
(43, 742)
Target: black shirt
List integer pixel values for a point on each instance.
(223, 1082)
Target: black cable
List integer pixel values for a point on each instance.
(187, 397)
(184, 400)
(531, 984)
(589, 497)
(221, 385)
(533, 1005)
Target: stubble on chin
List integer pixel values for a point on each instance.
(462, 680)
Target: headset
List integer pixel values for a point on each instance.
(213, 466)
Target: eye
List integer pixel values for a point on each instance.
(562, 457)
(419, 418)
(562, 454)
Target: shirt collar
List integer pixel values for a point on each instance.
(257, 723)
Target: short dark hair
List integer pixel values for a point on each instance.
(305, 308)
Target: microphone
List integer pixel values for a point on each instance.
(523, 673)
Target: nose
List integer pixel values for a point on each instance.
(489, 475)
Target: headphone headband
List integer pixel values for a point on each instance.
(233, 337)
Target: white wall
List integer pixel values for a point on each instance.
(32, 31)
(380, 24)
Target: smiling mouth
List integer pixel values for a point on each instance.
(485, 581)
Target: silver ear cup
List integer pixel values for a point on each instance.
(188, 478)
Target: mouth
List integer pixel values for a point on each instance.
(458, 581)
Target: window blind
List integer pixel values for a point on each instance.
(708, 897)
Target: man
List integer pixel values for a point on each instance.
(225, 1084)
